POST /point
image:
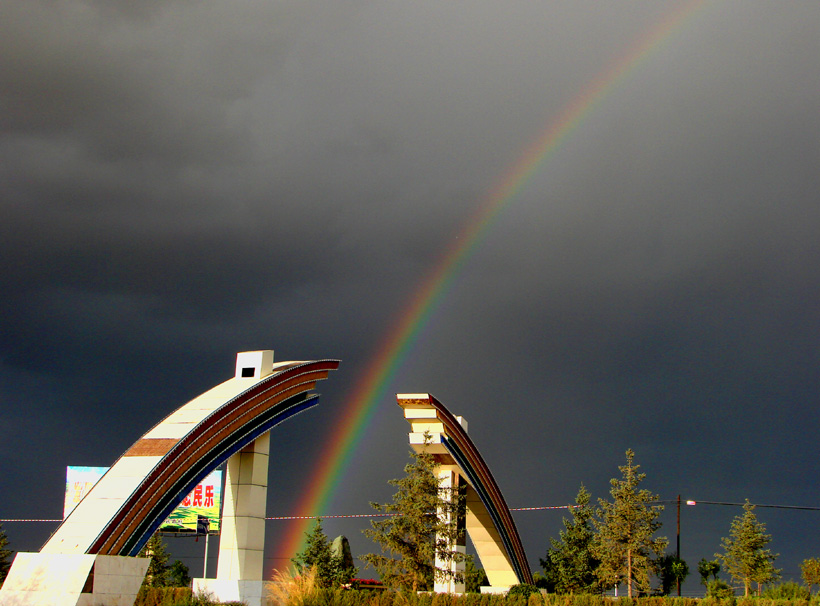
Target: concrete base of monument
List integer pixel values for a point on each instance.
(493, 589)
(51, 579)
(251, 593)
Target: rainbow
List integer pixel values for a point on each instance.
(398, 343)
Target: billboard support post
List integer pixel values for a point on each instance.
(203, 524)
(205, 564)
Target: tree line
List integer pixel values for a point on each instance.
(613, 543)
(616, 544)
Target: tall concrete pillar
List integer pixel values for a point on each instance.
(239, 572)
(242, 544)
(449, 480)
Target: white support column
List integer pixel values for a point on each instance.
(448, 478)
(239, 573)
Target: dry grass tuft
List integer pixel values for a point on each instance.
(291, 589)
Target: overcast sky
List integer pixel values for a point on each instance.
(183, 180)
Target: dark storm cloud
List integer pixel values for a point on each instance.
(183, 180)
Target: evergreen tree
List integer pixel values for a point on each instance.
(157, 573)
(178, 575)
(331, 568)
(5, 555)
(745, 556)
(765, 574)
(425, 527)
(548, 579)
(625, 542)
(810, 571)
(474, 577)
(570, 563)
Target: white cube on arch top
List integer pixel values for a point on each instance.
(254, 364)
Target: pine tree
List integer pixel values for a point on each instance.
(157, 573)
(570, 563)
(178, 575)
(745, 556)
(625, 541)
(412, 539)
(810, 571)
(474, 577)
(331, 568)
(5, 556)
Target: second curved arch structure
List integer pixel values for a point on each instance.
(488, 521)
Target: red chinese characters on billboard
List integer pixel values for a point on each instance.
(204, 500)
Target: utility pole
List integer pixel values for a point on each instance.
(677, 546)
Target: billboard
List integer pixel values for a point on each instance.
(205, 500)
(78, 481)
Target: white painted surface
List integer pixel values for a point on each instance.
(57, 579)
(242, 540)
(103, 501)
(260, 361)
(229, 590)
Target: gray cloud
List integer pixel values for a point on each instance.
(180, 181)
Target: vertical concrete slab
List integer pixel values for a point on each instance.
(448, 479)
(242, 543)
(239, 569)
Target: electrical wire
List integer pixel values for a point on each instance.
(689, 502)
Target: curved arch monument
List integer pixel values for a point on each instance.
(85, 562)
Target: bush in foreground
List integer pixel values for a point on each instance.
(176, 596)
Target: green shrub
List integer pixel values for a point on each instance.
(442, 599)
(719, 590)
(522, 589)
(169, 596)
(162, 596)
(486, 599)
(175, 596)
(535, 599)
(787, 591)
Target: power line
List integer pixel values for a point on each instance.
(377, 515)
(331, 517)
(689, 502)
(801, 507)
(20, 520)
